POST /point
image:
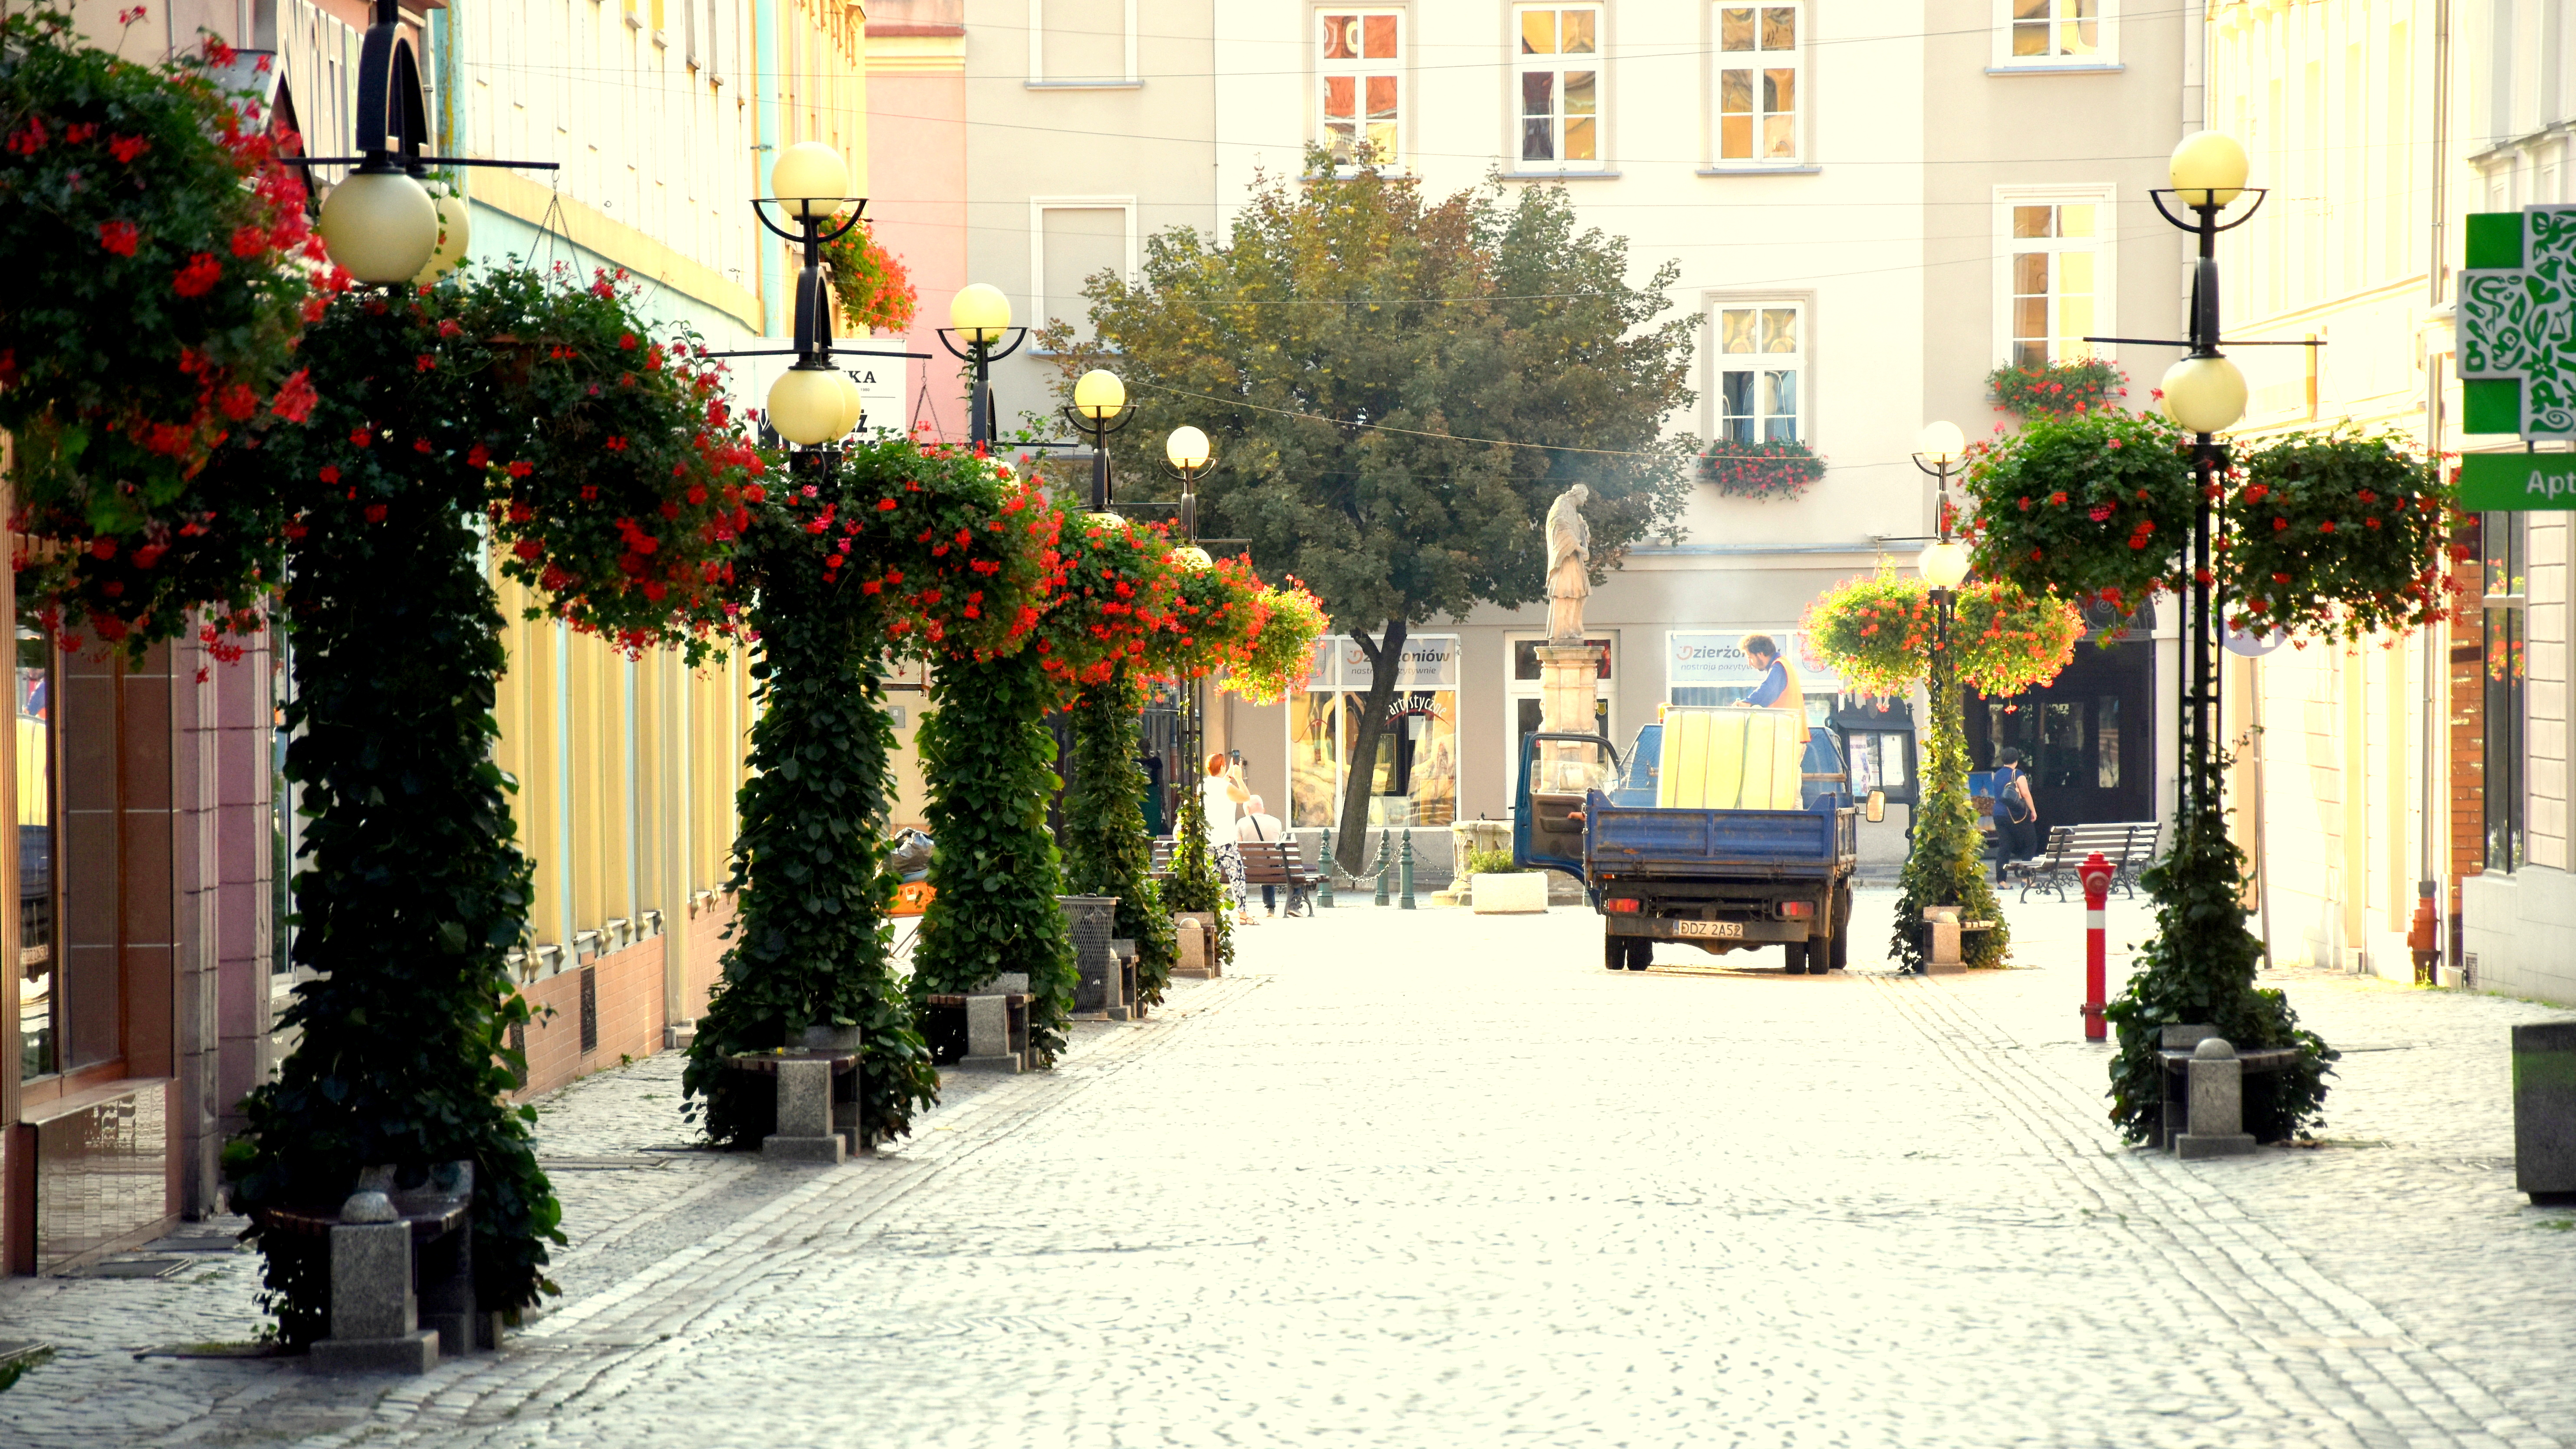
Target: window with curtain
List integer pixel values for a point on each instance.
(1761, 359)
(2054, 30)
(2055, 254)
(1359, 73)
(1759, 79)
(1560, 85)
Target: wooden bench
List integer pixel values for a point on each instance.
(2128, 847)
(1277, 863)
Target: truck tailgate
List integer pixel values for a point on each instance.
(1673, 842)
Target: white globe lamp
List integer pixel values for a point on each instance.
(980, 312)
(1099, 395)
(379, 226)
(455, 230)
(811, 179)
(1940, 444)
(805, 405)
(1187, 448)
(1944, 565)
(2208, 170)
(2204, 394)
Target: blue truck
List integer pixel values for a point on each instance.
(1722, 830)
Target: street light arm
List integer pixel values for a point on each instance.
(983, 352)
(817, 235)
(2159, 194)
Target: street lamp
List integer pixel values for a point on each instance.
(1098, 398)
(812, 403)
(978, 315)
(1186, 456)
(380, 224)
(2204, 394)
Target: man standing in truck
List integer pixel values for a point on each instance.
(1779, 687)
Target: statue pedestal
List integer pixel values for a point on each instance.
(1569, 678)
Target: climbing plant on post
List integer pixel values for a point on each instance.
(866, 552)
(1882, 636)
(546, 420)
(988, 763)
(1218, 610)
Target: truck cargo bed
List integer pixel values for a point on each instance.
(1703, 844)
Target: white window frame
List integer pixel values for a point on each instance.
(1401, 65)
(1041, 309)
(1801, 361)
(1516, 119)
(2104, 56)
(2105, 250)
(1038, 78)
(1802, 97)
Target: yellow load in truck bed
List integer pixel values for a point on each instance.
(1729, 758)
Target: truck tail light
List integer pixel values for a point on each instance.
(1797, 908)
(1621, 904)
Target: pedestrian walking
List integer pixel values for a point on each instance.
(1257, 824)
(1219, 794)
(2016, 816)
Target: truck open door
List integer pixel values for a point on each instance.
(1557, 772)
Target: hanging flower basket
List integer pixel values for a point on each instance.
(1877, 634)
(160, 271)
(2085, 507)
(1782, 468)
(2337, 534)
(2009, 640)
(1284, 649)
(2071, 388)
(876, 291)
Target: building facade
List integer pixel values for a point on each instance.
(154, 829)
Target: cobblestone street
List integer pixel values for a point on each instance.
(1431, 1178)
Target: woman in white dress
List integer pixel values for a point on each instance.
(1219, 794)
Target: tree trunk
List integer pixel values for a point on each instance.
(1386, 658)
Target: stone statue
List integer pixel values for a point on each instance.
(1569, 556)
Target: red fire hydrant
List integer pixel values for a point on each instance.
(2097, 900)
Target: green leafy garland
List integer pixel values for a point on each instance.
(988, 759)
(1946, 866)
(1108, 851)
(2198, 969)
(413, 889)
(160, 270)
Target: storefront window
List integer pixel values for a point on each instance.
(39, 1034)
(1414, 778)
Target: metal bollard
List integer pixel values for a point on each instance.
(1404, 873)
(1380, 869)
(2097, 900)
(1324, 889)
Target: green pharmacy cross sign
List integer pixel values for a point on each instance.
(2518, 355)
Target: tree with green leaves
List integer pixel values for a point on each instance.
(1398, 388)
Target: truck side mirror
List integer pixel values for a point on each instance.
(1877, 806)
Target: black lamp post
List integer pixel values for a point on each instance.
(812, 404)
(2205, 393)
(1099, 408)
(979, 315)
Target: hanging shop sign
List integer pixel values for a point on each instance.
(2518, 355)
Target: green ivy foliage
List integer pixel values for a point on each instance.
(988, 759)
(1107, 850)
(2198, 969)
(812, 946)
(1196, 884)
(412, 889)
(880, 548)
(1946, 867)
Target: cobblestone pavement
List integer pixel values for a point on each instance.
(1429, 1178)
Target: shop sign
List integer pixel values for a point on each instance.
(1430, 662)
(2518, 355)
(1718, 659)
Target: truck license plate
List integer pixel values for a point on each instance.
(1709, 928)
